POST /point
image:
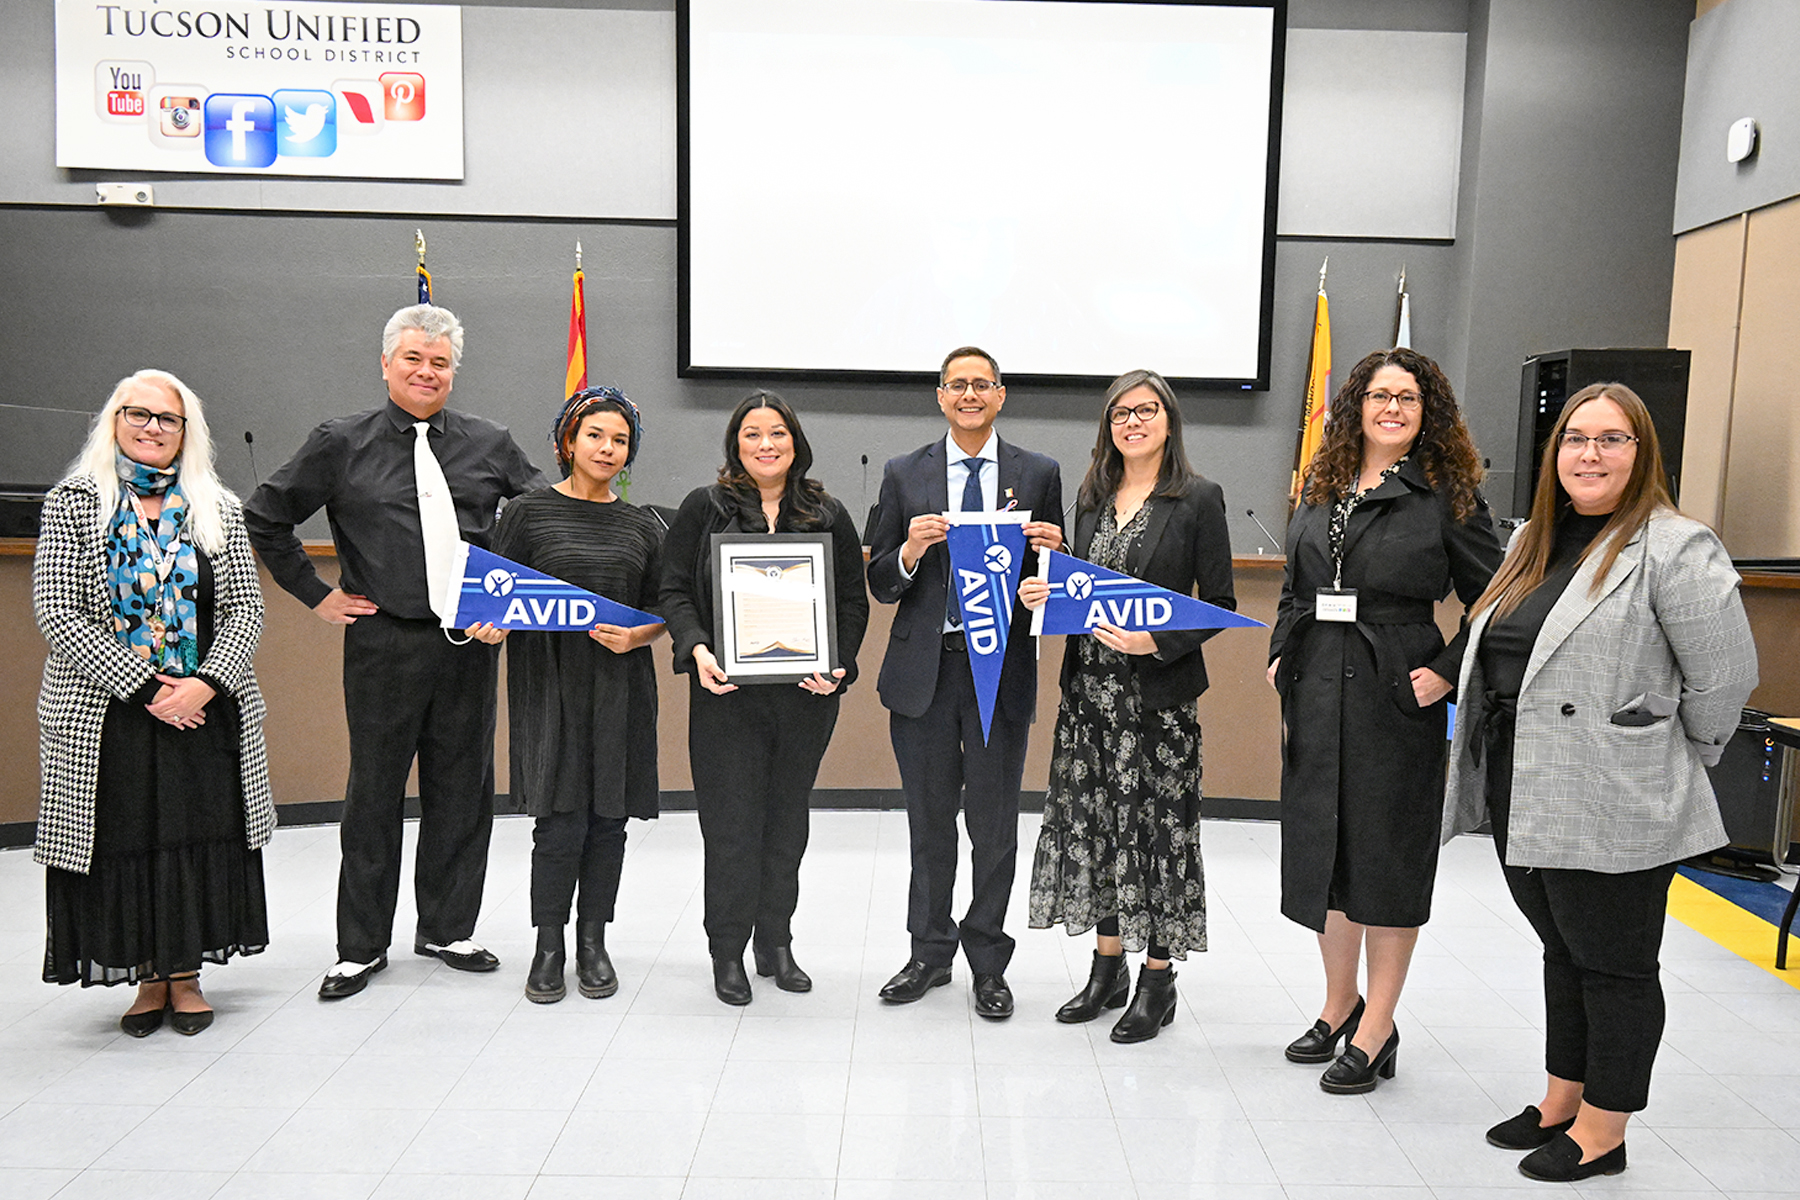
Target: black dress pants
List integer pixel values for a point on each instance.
(570, 849)
(755, 753)
(944, 767)
(1602, 934)
(409, 692)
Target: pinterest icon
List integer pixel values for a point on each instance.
(405, 96)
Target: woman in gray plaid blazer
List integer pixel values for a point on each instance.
(1607, 665)
(155, 799)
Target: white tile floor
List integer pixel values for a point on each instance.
(439, 1084)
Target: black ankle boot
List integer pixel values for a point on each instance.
(1152, 1007)
(778, 961)
(1108, 986)
(544, 983)
(594, 973)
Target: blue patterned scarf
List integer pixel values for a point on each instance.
(153, 572)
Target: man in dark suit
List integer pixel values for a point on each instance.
(929, 689)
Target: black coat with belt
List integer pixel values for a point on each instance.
(1362, 781)
(1186, 547)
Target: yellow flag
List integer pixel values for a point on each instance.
(575, 377)
(1318, 396)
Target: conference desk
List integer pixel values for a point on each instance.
(300, 668)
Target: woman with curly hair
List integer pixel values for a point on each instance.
(1390, 520)
(755, 754)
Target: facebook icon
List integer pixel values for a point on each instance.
(240, 130)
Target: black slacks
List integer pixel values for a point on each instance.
(409, 692)
(570, 849)
(755, 753)
(944, 767)
(1602, 934)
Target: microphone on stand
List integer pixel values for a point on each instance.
(250, 441)
(1273, 540)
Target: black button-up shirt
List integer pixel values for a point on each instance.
(359, 469)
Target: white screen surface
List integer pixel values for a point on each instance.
(1079, 188)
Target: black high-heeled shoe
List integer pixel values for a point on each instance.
(778, 961)
(1355, 1072)
(1108, 986)
(730, 984)
(1319, 1044)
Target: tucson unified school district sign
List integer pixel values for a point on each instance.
(369, 91)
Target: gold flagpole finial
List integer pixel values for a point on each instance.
(419, 244)
(578, 256)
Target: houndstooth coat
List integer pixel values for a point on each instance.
(1590, 794)
(88, 667)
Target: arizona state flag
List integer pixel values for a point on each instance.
(424, 283)
(1318, 393)
(492, 590)
(1082, 595)
(575, 377)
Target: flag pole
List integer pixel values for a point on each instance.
(1318, 391)
(424, 276)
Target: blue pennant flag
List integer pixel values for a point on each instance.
(986, 552)
(498, 591)
(1082, 595)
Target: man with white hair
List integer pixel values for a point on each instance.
(399, 484)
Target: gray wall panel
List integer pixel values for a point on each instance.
(1741, 63)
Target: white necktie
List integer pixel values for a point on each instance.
(437, 516)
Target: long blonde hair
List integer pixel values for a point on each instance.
(1646, 491)
(194, 462)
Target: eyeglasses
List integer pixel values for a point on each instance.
(1408, 401)
(1145, 412)
(140, 418)
(1607, 443)
(958, 387)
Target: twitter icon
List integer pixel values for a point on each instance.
(305, 123)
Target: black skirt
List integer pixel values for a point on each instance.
(171, 884)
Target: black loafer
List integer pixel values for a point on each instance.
(464, 956)
(730, 984)
(993, 999)
(1355, 1072)
(189, 1023)
(338, 985)
(1559, 1161)
(913, 981)
(140, 1025)
(1319, 1044)
(1526, 1131)
(778, 961)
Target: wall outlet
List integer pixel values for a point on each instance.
(125, 193)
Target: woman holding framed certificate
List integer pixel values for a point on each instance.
(762, 584)
(582, 708)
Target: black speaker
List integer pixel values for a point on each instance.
(1660, 377)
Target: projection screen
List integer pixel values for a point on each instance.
(1079, 187)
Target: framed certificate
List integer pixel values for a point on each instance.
(774, 606)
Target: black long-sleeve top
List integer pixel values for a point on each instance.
(359, 469)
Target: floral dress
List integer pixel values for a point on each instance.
(1121, 831)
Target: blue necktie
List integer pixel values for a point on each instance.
(971, 502)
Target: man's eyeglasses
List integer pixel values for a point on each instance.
(1145, 412)
(1607, 443)
(1408, 401)
(140, 418)
(959, 387)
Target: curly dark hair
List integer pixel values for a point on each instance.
(804, 505)
(1443, 447)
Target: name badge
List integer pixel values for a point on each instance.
(1335, 604)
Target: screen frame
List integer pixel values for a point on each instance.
(687, 369)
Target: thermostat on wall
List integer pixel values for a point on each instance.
(1740, 140)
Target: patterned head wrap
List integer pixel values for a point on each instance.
(586, 403)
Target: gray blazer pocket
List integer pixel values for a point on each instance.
(1646, 708)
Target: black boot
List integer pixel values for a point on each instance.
(594, 973)
(544, 985)
(1108, 986)
(1152, 1007)
(730, 983)
(778, 961)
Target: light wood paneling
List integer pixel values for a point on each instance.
(1703, 319)
(1761, 517)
